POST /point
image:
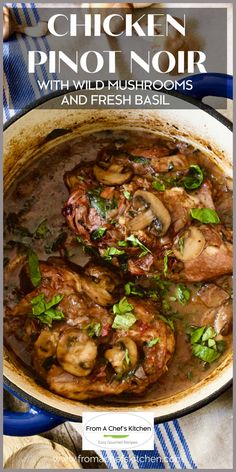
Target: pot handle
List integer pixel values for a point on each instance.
(210, 84)
(34, 421)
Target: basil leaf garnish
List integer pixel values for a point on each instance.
(153, 342)
(34, 269)
(124, 318)
(158, 185)
(123, 321)
(98, 233)
(205, 353)
(112, 251)
(197, 334)
(183, 294)
(42, 230)
(194, 178)
(100, 204)
(94, 329)
(204, 346)
(136, 243)
(205, 215)
(44, 310)
(132, 289)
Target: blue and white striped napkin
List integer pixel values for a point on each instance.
(200, 440)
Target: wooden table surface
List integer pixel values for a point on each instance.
(65, 435)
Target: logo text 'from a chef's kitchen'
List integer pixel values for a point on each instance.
(133, 431)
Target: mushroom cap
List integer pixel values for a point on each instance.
(113, 175)
(156, 210)
(193, 245)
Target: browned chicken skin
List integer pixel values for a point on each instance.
(132, 211)
(111, 194)
(78, 363)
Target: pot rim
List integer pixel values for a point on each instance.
(78, 418)
(73, 417)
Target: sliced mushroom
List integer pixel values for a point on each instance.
(123, 356)
(105, 279)
(113, 175)
(156, 210)
(190, 245)
(141, 221)
(76, 352)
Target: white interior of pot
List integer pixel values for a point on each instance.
(24, 140)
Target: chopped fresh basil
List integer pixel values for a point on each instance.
(100, 204)
(170, 181)
(112, 251)
(211, 343)
(194, 178)
(168, 321)
(46, 311)
(98, 233)
(94, 329)
(34, 269)
(165, 305)
(152, 294)
(209, 333)
(161, 285)
(197, 334)
(122, 307)
(57, 244)
(138, 159)
(88, 249)
(54, 301)
(132, 289)
(127, 359)
(123, 321)
(38, 304)
(165, 261)
(124, 318)
(205, 353)
(205, 215)
(158, 185)
(183, 294)
(181, 243)
(153, 342)
(122, 243)
(42, 230)
(204, 346)
(97, 202)
(127, 195)
(136, 243)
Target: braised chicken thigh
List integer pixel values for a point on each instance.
(91, 349)
(118, 267)
(138, 207)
